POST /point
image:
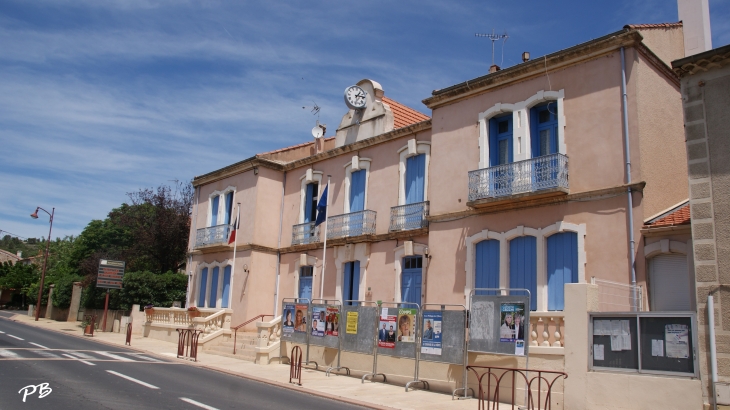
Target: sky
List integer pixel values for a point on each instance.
(102, 98)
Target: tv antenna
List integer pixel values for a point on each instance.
(314, 109)
(495, 38)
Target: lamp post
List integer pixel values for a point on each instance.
(34, 215)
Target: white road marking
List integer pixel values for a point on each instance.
(9, 354)
(113, 356)
(132, 379)
(45, 353)
(197, 403)
(15, 337)
(36, 344)
(83, 355)
(138, 355)
(2, 331)
(82, 361)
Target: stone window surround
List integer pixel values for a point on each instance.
(541, 247)
(362, 163)
(413, 148)
(311, 261)
(419, 249)
(221, 204)
(521, 125)
(219, 292)
(309, 177)
(350, 253)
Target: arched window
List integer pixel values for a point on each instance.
(523, 266)
(562, 266)
(486, 271)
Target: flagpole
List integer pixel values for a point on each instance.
(324, 253)
(235, 245)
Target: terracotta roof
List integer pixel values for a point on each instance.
(649, 26)
(304, 144)
(404, 116)
(678, 215)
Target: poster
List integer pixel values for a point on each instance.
(289, 315)
(519, 347)
(386, 332)
(300, 318)
(431, 336)
(676, 339)
(332, 328)
(598, 352)
(657, 347)
(318, 321)
(407, 325)
(482, 317)
(351, 327)
(512, 328)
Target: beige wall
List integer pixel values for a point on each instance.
(666, 43)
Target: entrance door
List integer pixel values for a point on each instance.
(411, 279)
(351, 282)
(500, 153)
(305, 282)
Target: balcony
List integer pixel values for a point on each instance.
(408, 217)
(305, 233)
(214, 235)
(536, 177)
(352, 224)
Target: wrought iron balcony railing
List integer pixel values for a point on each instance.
(212, 235)
(535, 174)
(352, 224)
(305, 233)
(410, 216)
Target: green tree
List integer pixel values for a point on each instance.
(20, 277)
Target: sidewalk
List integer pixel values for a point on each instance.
(341, 388)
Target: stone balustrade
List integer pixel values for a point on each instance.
(547, 331)
(269, 341)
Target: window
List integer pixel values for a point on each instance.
(544, 129)
(357, 191)
(415, 178)
(562, 266)
(310, 204)
(214, 211)
(412, 279)
(213, 299)
(229, 207)
(226, 294)
(306, 273)
(523, 266)
(669, 283)
(214, 289)
(500, 140)
(351, 282)
(221, 207)
(487, 266)
(203, 285)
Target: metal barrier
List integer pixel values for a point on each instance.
(289, 332)
(235, 329)
(90, 326)
(327, 341)
(295, 365)
(187, 343)
(542, 376)
(128, 342)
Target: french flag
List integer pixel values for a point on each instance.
(232, 234)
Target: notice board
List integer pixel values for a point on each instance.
(110, 274)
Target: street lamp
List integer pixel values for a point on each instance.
(34, 215)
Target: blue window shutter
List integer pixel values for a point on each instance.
(203, 285)
(523, 266)
(346, 282)
(214, 212)
(562, 266)
(486, 272)
(411, 280)
(213, 288)
(357, 191)
(305, 282)
(551, 126)
(415, 178)
(226, 286)
(535, 138)
(308, 203)
(229, 207)
(493, 145)
(355, 280)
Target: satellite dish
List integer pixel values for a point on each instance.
(317, 132)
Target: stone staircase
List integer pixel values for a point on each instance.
(245, 343)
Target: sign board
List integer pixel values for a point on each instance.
(499, 324)
(110, 274)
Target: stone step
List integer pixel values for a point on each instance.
(241, 354)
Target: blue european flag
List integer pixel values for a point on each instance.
(322, 207)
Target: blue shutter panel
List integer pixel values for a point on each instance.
(346, 282)
(415, 178)
(214, 212)
(357, 191)
(203, 285)
(562, 266)
(308, 204)
(305, 282)
(213, 288)
(487, 266)
(229, 207)
(226, 286)
(356, 280)
(523, 266)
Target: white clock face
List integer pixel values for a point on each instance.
(355, 97)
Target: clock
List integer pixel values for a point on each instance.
(355, 97)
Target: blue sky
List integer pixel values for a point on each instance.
(101, 98)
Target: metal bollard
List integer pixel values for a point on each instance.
(295, 365)
(128, 342)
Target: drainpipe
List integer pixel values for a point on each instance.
(713, 347)
(278, 249)
(632, 243)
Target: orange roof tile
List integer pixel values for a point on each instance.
(404, 116)
(649, 26)
(677, 216)
(291, 147)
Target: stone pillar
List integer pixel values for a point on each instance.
(138, 319)
(49, 307)
(580, 298)
(73, 310)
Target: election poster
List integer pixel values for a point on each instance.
(332, 327)
(318, 320)
(289, 314)
(431, 336)
(511, 318)
(386, 331)
(407, 325)
(676, 339)
(351, 327)
(300, 318)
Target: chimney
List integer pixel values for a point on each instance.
(695, 16)
(494, 68)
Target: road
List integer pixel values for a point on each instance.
(83, 374)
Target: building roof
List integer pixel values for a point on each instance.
(715, 58)
(679, 215)
(8, 256)
(650, 26)
(404, 116)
